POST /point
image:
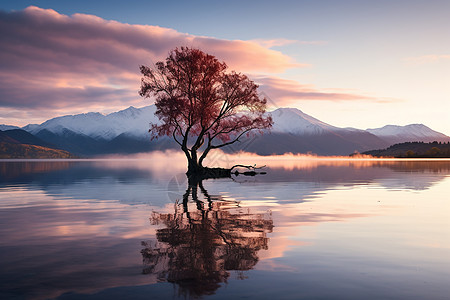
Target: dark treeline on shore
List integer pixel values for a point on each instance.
(414, 150)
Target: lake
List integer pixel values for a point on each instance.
(311, 228)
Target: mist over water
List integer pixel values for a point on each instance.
(326, 228)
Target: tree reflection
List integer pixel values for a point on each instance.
(197, 249)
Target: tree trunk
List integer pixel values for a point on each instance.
(197, 172)
(194, 167)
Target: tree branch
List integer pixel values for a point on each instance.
(175, 138)
(232, 142)
(254, 167)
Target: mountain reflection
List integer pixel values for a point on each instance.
(23, 170)
(196, 248)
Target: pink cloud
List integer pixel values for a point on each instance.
(286, 92)
(283, 42)
(53, 61)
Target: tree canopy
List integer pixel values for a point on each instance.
(201, 104)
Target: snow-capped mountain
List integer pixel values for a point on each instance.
(134, 122)
(4, 127)
(126, 131)
(131, 121)
(294, 121)
(409, 133)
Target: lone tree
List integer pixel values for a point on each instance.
(201, 105)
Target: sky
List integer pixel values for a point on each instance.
(362, 64)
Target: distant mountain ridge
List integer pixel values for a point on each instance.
(294, 121)
(20, 136)
(395, 134)
(18, 143)
(8, 127)
(296, 132)
(131, 121)
(126, 131)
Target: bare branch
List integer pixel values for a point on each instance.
(254, 167)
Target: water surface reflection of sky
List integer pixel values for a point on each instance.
(311, 228)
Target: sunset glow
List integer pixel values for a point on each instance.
(224, 149)
(350, 64)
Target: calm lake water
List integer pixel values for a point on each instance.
(308, 229)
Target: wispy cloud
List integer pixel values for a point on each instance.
(426, 59)
(52, 61)
(283, 42)
(285, 92)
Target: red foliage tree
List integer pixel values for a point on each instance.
(200, 104)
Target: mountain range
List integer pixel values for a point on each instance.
(126, 131)
(18, 143)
